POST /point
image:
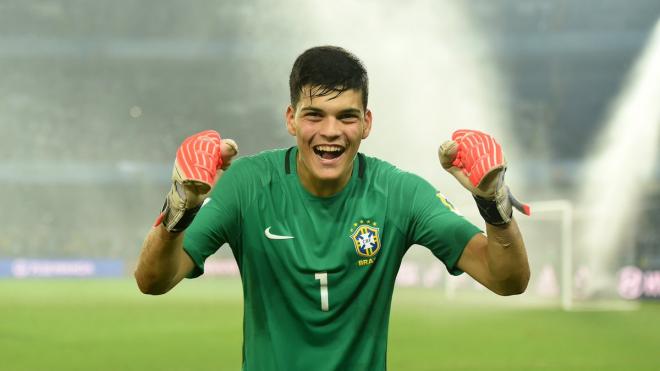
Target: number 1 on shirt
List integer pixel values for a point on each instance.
(323, 277)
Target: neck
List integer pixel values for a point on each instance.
(322, 187)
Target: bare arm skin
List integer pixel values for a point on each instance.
(162, 263)
(499, 260)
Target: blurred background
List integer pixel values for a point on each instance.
(95, 97)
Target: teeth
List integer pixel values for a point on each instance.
(328, 148)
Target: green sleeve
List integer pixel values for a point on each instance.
(437, 226)
(218, 221)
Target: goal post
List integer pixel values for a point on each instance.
(548, 234)
(562, 209)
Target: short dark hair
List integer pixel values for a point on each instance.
(328, 69)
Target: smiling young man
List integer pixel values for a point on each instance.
(329, 129)
(319, 230)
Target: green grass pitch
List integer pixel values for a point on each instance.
(109, 325)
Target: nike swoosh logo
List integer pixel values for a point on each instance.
(271, 236)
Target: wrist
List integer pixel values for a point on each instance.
(496, 211)
(176, 219)
(182, 203)
(166, 235)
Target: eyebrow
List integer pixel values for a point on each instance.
(354, 111)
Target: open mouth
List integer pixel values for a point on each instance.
(327, 152)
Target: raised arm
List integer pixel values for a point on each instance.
(162, 263)
(499, 259)
(199, 163)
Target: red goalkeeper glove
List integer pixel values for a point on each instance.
(199, 162)
(477, 161)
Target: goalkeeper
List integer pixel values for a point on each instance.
(319, 230)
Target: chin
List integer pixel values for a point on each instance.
(328, 175)
(328, 170)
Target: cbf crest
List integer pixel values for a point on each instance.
(366, 239)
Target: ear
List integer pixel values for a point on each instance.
(368, 117)
(290, 116)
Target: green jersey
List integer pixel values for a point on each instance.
(318, 273)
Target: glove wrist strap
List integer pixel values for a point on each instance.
(498, 210)
(176, 221)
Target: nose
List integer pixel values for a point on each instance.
(330, 128)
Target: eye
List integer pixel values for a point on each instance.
(313, 116)
(348, 118)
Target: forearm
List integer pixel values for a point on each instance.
(507, 258)
(162, 262)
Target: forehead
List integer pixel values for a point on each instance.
(347, 99)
